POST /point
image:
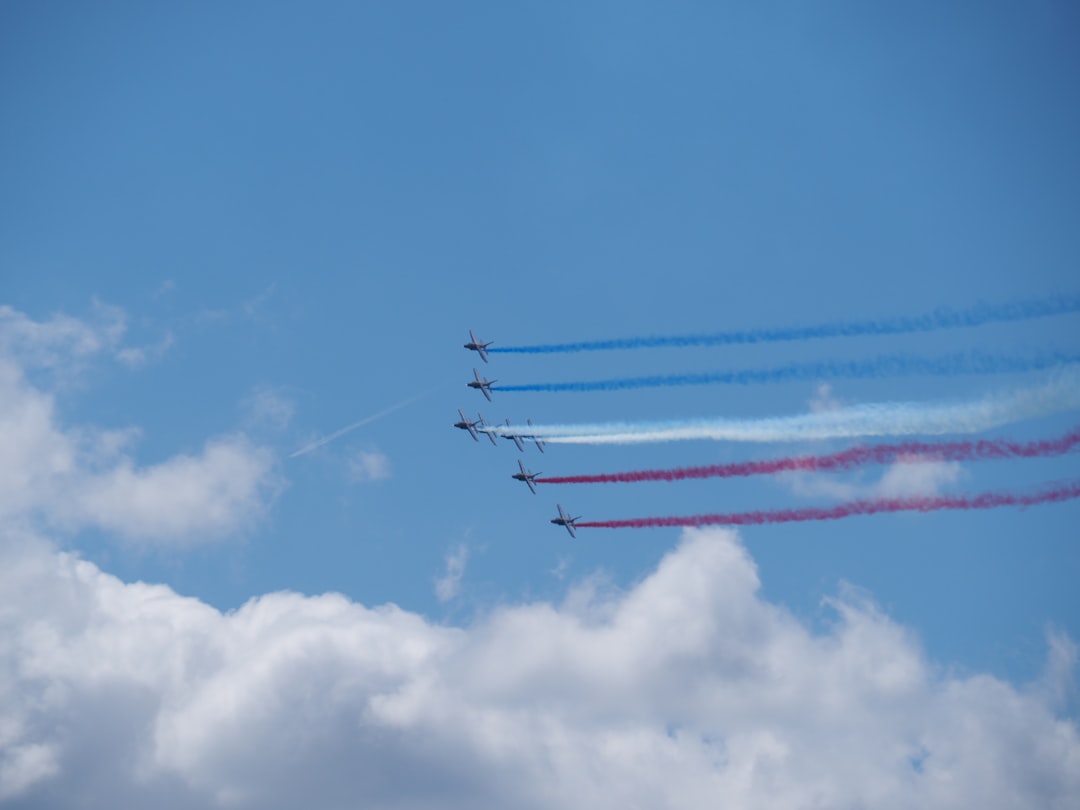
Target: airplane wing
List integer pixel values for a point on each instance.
(515, 437)
(490, 435)
(539, 443)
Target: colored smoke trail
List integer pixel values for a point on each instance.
(987, 500)
(908, 452)
(1061, 393)
(883, 366)
(941, 318)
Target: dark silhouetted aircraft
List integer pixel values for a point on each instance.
(526, 476)
(482, 384)
(478, 347)
(468, 425)
(565, 520)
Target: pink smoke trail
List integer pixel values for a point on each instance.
(987, 500)
(984, 450)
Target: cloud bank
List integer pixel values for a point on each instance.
(688, 690)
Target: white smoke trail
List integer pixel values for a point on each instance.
(1060, 393)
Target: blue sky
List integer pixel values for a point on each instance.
(241, 228)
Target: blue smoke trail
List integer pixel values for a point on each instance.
(941, 318)
(1061, 393)
(884, 366)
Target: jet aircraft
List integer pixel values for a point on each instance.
(526, 476)
(565, 520)
(485, 427)
(478, 347)
(466, 424)
(514, 437)
(481, 384)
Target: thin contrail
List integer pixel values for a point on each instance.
(367, 420)
(941, 318)
(853, 457)
(896, 365)
(1061, 393)
(1058, 493)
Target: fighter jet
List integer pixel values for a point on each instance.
(565, 520)
(514, 438)
(539, 443)
(526, 476)
(478, 347)
(482, 384)
(466, 424)
(485, 427)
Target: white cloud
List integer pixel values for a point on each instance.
(78, 477)
(449, 584)
(907, 477)
(369, 465)
(218, 491)
(62, 339)
(62, 342)
(688, 690)
(252, 306)
(164, 288)
(139, 356)
(913, 476)
(269, 408)
(823, 400)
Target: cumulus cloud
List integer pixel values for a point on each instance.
(449, 584)
(139, 356)
(914, 476)
(61, 339)
(907, 477)
(369, 465)
(269, 408)
(688, 690)
(824, 400)
(62, 343)
(77, 477)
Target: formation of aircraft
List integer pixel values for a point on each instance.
(526, 476)
(471, 426)
(565, 520)
(475, 345)
(483, 384)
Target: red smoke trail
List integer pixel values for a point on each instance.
(986, 500)
(844, 460)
